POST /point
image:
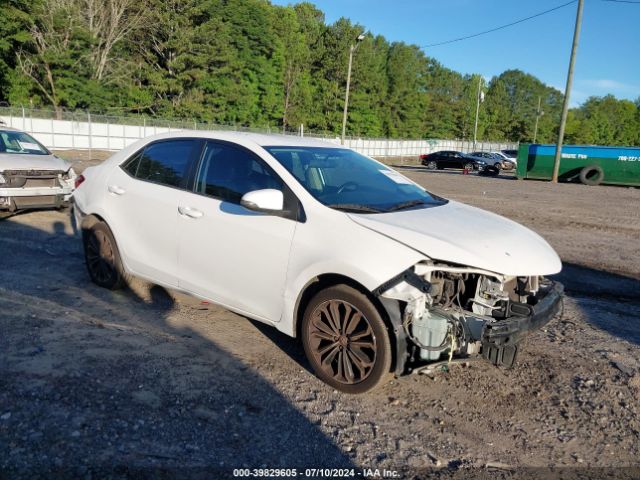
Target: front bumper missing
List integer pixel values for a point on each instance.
(27, 198)
(500, 339)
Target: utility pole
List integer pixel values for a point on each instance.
(567, 93)
(475, 128)
(538, 114)
(352, 49)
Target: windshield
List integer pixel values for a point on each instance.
(20, 143)
(345, 180)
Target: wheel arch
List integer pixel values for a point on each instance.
(90, 220)
(389, 310)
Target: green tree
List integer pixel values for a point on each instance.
(406, 100)
(605, 121)
(17, 19)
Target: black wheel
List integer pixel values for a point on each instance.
(592, 175)
(102, 257)
(469, 166)
(431, 165)
(498, 165)
(346, 340)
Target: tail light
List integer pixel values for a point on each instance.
(79, 180)
(423, 156)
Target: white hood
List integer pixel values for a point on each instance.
(468, 236)
(18, 161)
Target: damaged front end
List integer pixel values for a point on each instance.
(26, 189)
(448, 310)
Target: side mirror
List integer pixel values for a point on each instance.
(268, 200)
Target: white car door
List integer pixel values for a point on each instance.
(142, 201)
(227, 253)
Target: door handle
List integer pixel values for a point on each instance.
(190, 212)
(116, 190)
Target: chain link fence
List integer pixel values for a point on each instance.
(80, 130)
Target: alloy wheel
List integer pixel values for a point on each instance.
(342, 341)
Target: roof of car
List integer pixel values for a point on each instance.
(262, 139)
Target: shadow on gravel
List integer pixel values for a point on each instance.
(292, 347)
(100, 383)
(609, 301)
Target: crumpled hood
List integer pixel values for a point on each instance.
(465, 235)
(10, 161)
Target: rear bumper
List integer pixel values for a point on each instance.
(76, 216)
(500, 339)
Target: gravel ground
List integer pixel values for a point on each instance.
(150, 383)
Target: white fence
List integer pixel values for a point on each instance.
(84, 131)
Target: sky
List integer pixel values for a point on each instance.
(607, 61)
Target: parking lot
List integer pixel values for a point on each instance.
(146, 380)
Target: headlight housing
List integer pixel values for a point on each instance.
(69, 175)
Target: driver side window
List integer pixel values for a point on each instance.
(227, 173)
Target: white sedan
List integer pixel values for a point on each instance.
(372, 272)
(30, 175)
(505, 157)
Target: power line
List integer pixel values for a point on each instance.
(621, 1)
(503, 26)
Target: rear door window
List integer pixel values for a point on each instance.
(166, 162)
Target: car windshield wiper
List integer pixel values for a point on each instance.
(409, 204)
(354, 207)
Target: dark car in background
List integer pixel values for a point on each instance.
(512, 154)
(494, 158)
(451, 159)
(488, 158)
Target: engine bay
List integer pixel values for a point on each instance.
(447, 308)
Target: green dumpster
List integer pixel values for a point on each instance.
(590, 165)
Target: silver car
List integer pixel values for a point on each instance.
(30, 175)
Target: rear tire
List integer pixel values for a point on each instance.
(346, 340)
(102, 257)
(432, 165)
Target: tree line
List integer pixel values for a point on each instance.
(251, 63)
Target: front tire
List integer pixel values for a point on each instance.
(346, 340)
(102, 257)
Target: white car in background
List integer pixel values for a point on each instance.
(372, 272)
(506, 157)
(30, 175)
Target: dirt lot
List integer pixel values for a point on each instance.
(147, 383)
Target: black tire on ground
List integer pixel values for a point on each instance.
(346, 340)
(102, 257)
(489, 171)
(592, 175)
(432, 165)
